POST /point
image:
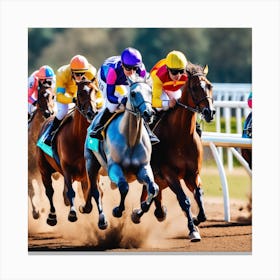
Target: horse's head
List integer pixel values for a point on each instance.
(85, 99)
(140, 99)
(45, 102)
(201, 91)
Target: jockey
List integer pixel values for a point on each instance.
(67, 77)
(112, 80)
(168, 76)
(43, 76)
(247, 129)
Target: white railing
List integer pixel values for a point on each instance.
(214, 140)
(230, 100)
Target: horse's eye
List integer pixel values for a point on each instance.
(53, 97)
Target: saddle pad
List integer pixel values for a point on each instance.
(45, 148)
(92, 144)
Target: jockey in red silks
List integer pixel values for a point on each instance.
(169, 76)
(112, 80)
(43, 76)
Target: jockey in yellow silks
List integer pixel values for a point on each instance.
(168, 76)
(67, 77)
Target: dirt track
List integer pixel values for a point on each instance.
(148, 236)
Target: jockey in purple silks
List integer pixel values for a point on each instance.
(112, 80)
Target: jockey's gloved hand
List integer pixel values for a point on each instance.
(74, 100)
(123, 101)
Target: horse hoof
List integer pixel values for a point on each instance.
(51, 220)
(102, 223)
(72, 217)
(199, 220)
(36, 215)
(135, 216)
(194, 236)
(161, 213)
(84, 209)
(117, 213)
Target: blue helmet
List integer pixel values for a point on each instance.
(45, 72)
(131, 57)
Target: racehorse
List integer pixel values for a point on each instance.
(68, 151)
(179, 154)
(44, 109)
(125, 152)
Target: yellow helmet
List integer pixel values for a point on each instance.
(79, 63)
(176, 60)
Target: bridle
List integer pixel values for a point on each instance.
(81, 106)
(43, 93)
(196, 108)
(136, 109)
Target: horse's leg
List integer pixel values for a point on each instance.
(160, 211)
(65, 197)
(47, 181)
(93, 166)
(184, 202)
(31, 194)
(145, 176)
(193, 183)
(87, 208)
(72, 216)
(117, 176)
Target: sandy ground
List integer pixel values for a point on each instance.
(148, 236)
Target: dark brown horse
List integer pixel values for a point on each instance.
(179, 154)
(44, 109)
(68, 148)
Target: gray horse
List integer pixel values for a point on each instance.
(125, 152)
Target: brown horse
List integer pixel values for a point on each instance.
(44, 109)
(179, 154)
(68, 151)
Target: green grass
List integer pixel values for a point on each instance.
(239, 183)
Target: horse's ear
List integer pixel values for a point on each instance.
(205, 70)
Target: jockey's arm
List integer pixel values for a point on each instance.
(156, 92)
(63, 97)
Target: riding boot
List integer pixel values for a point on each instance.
(98, 128)
(153, 138)
(54, 126)
(198, 129)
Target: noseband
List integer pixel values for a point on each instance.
(196, 109)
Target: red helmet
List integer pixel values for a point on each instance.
(45, 72)
(79, 63)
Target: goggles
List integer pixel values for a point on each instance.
(46, 82)
(79, 74)
(129, 68)
(175, 72)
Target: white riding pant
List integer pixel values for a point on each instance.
(62, 110)
(31, 108)
(120, 91)
(166, 96)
